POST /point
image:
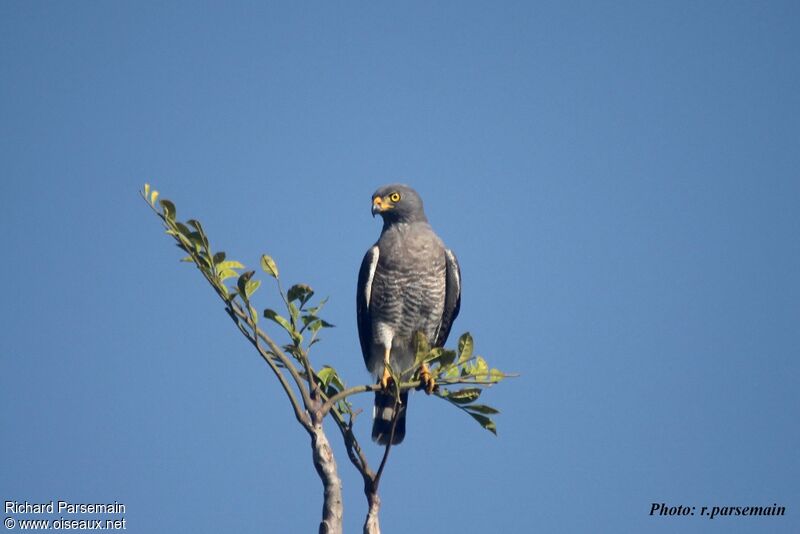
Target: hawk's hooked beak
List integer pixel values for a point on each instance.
(379, 205)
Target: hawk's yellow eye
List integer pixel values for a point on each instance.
(394, 197)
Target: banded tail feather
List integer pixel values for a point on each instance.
(383, 414)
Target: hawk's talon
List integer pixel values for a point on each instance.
(386, 380)
(426, 379)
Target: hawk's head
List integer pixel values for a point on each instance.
(398, 203)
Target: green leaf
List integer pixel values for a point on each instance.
(188, 259)
(294, 313)
(242, 284)
(183, 229)
(167, 207)
(204, 261)
(197, 241)
(485, 422)
(300, 293)
(219, 257)
(324, 375)
(314, 310)
(276, 317)
(252, 286)
(153, 197)
(314, 325)
(481, 370)
(329, 377)
(445, 359)
(147, 191)
(253, 314)
(496, 375)
(435, 354)
(464, 396)
(230, 264)
(482, 408)
(395, 380)
(464, 347)
(268, 264)
(194, 223)
(422, 349)
(297, 337)
(225, 274)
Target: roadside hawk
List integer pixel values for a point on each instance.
(408, 282)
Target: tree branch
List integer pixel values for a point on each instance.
(326, 407)
(354, 451)
(372, 524)
(325, 464)
(299, 413)
(277, 352)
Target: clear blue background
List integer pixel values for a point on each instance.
(620, 183)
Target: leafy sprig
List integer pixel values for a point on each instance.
(465, 373)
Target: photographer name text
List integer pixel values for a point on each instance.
(64, 507)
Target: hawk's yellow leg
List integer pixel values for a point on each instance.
(387, 376)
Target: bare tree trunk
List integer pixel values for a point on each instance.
(325, 464)
(372, 524)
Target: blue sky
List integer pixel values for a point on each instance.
(618, 179)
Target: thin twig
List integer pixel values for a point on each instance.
(278, 353)
(312, 383)
(344, 394)
(299, 413)
(364, 388)
(354, 451)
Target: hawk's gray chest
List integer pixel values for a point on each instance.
(408, 289)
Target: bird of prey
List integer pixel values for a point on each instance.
(408, 283)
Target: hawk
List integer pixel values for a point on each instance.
(409, 282)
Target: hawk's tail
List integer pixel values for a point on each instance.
(382, 417)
